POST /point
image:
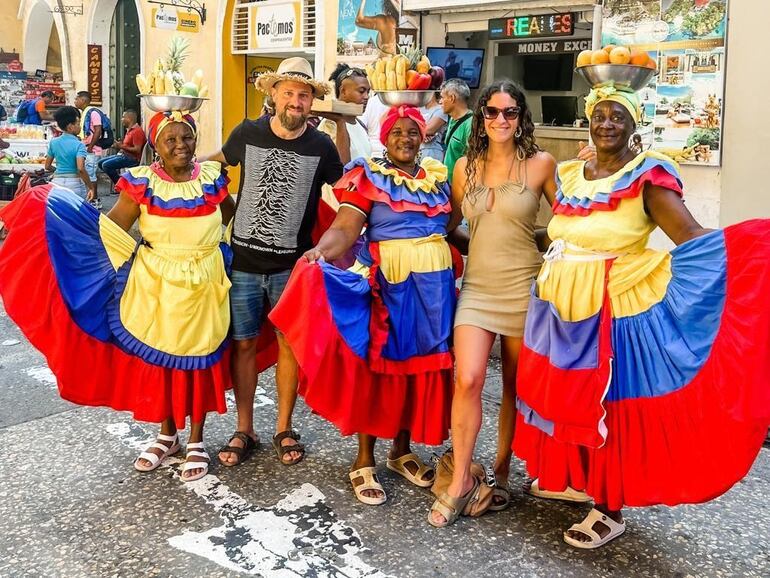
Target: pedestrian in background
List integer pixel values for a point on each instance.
(129, 149)
(94, 132)
(69, 154)
(435, 120)
(455, 99)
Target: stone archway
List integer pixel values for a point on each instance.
(37, 22)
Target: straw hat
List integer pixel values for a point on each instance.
(295, 69)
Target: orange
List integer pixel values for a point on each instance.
(600, 57)
(609, 48)
(639, 57)
(652, 63)
(620, 55)
(584, 58)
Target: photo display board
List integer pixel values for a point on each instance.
(684, 103)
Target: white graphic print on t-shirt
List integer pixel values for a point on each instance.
(274, 196)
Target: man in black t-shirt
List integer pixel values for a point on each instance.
(284, 163)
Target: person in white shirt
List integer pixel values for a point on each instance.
(372, 118)
(350, 85)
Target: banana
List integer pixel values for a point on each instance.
(401, 65)
(391, 83)
(370, 75)
(141, 84)
(379, 66)
(382, 81)
(204, 91)
(390, 65)
(169, 84)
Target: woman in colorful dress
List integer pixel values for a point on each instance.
(377, 360)
(135, 326)
(644, 377)
(497, 188)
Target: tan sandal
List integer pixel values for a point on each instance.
(418, 478)
(504, 496)
(369, 475)
(452, 508)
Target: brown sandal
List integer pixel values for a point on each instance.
(283, 450)
(250, 445)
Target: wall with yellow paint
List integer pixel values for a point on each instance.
(11, 34)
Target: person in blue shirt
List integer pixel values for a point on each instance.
(69, 154)
(35, 111)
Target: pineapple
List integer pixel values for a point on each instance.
(177, 54)
(414, 55)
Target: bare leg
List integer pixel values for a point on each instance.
(507, 421)
(196, 435)
(167, 427)
(286, 381)
(364, 459)
(472, 347)
(244, 370)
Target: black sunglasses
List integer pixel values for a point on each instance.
(492, 112)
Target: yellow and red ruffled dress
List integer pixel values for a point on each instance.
(644, 377)
(373, 341)
(140, 327)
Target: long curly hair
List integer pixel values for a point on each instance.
(478, 142)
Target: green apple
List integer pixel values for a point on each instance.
(189, 89)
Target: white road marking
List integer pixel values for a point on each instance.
(11, 342)
(298, 536)
(41, 373)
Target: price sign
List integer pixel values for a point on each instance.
(532, 26)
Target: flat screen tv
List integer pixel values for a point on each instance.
(548, 72)
(465, 63)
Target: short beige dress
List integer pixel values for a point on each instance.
(503, 258)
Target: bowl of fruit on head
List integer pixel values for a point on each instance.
(165, 88)
(406, 79)
(626, 67)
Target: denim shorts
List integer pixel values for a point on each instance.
(92, 161)
(75, 184)
(248, 296)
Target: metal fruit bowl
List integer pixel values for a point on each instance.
(635, 77)
(165, 102)
(416, 98)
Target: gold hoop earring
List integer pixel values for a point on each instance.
(518, 132)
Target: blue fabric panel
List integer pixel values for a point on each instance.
(421, 311)
(568, 344)
(83, 270)
(532, 418)
(350, 301)
(386, 224)
(660, 350)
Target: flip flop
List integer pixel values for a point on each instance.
(587, 527)
(250, 445)
(369, 475)
(155, 459)
(568, 495)
(418, 478)
(452, 508)
(283, 450)
(196, 449)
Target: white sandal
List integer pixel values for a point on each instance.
(369, 475)
(587, 527)
(418, 478)
(195, 449)
(568, 495)
(155, 459)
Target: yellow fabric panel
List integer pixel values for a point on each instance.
(435, 172)
(118, 244)
(189, 313)
(636, 283)
(359, 269)
(400, 257)
(187, 231)
(624, 230)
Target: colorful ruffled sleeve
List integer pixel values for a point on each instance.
(151, 187)
(577, 196)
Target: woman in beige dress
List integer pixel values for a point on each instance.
(497, 188)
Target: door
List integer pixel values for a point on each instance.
(124, 60)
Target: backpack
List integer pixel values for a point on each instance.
(108, 134)
(22, 112)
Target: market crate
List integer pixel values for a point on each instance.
(8, 184)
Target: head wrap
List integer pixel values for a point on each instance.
(397, 112)
(162, 119)
(623, 96)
